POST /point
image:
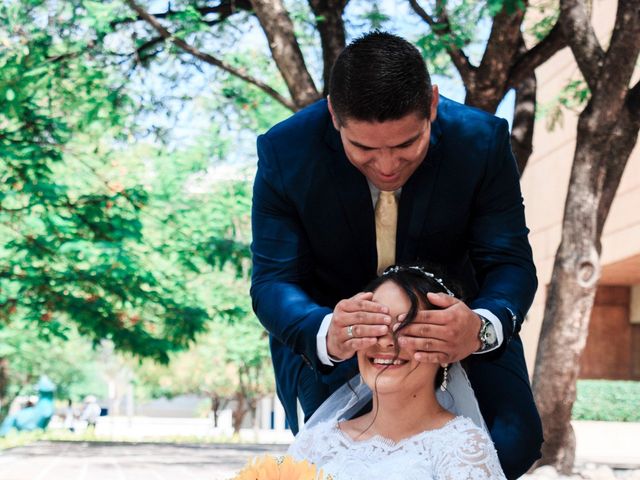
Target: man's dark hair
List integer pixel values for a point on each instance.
(379, 77)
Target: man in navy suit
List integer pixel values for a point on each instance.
(384, 131)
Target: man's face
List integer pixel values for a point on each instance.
(387, 153)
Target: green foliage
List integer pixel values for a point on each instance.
(252, 109)
(211, 240)
(69, 362)
(546, 14)
(462, 32)
(375, 17)
(227, 360)
(607, 400)
(74, 251)
(494, 7)
(572, 97)
(107, 238)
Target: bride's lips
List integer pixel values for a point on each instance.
(382, 362)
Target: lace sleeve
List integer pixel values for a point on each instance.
(471, 457)
(302, 446)
(311, 444)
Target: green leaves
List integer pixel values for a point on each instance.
(74, 251)
(375, 17)
(573, 97)
(607, 400)
(494, 7)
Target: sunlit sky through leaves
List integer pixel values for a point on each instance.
(190, 108)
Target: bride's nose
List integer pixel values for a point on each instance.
(386, 340)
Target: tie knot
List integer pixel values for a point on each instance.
(387, 198)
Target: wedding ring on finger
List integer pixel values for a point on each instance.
(350, 331)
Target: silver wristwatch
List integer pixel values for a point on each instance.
(487, 335)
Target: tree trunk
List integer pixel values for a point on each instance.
(285, 50)
(491, 77)
(524, 118)
(607, 132)
(4, 387)
(562, 339)
(600, 157)
(215, 407)
(239, 412)
(332, 37)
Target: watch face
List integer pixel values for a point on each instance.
(491, 336)
(488, 334)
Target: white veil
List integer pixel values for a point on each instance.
(351, 397)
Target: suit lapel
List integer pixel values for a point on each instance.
(415, 198)
(354, 196)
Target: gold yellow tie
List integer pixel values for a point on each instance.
(386, 225)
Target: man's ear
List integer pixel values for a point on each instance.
(334, 119)
(435, 99)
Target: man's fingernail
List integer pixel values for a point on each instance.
(384, 309)
(395, 326)
(387, 320)
(402, 317)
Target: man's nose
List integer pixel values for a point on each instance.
(388, 161)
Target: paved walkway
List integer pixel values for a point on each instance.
(118, 461)
(606, 443)
(616, 444)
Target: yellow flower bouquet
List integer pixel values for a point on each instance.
(283, 468)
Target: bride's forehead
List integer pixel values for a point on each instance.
(391, 294)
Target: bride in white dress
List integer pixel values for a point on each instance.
(408, 434)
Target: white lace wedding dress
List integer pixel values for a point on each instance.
(457, 451)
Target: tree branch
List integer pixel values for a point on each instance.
(531, 59)
(442, 27)
(224, 10)
(502, 48)
(619, 64)
(138, 54)
(577, 29)
(524, 118)
(205, 57)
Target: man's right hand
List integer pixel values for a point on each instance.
(364, 319)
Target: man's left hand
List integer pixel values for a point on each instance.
(442, 336)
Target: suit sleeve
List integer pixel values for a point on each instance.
(282, 262)
(498, 244)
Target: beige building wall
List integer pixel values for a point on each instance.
(545, 181)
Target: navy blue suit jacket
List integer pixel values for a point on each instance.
(314, 234)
